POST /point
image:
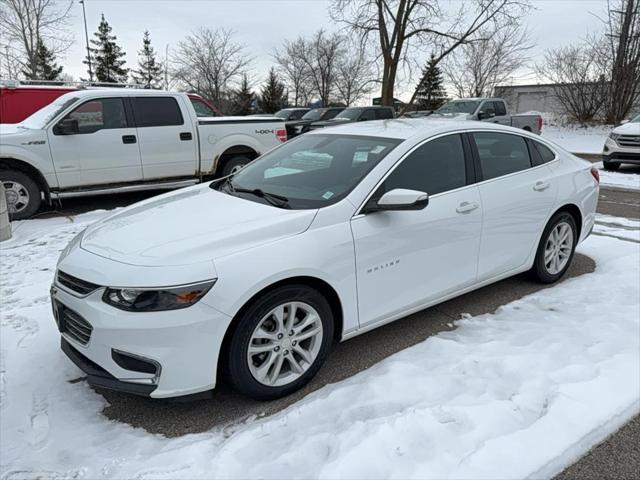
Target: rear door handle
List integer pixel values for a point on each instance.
(185, 136)
(128, 139)
(540, 186)
(466, 207)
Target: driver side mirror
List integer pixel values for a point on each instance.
(399, 199)
(67, 126)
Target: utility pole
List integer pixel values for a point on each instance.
(86, 36)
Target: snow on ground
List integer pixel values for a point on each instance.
(576, 139)
(627, 177)
(516, 393)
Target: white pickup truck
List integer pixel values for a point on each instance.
(114, 140)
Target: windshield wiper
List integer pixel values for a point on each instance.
(273, 198)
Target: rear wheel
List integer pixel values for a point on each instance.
(22, 193)
(234, 164)
(556, 248)
(280, 342)
(611, 166)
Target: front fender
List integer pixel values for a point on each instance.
(36, 156)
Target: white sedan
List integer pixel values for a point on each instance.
(326, 237)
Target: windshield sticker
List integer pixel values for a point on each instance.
(360, 156)
(378, 149)
(327, 195)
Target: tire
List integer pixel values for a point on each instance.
(611, 166)
(244, 370)
(546, 271)
(234, 164)
(22, 192)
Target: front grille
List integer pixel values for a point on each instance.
(72, 324)
(632, 141)
(74, 284)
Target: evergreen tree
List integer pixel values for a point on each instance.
(107, 60)
(431, 94)
(272, 96)
(46, 67)
(242, 98)
(149, 72)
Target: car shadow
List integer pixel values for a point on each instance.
(172, 418)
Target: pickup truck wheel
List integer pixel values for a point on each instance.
(611, 166)
(234, 164)
(23, 194)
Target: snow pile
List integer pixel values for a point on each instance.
(576, 139)
(627, 177)
(512, 394)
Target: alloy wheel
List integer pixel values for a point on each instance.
(285, 344)
(17, 196)
(558, 248)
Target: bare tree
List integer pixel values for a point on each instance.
(355, 76)
(26, 23)
(294, 70)
(321, 55)
(623, 36)
(401, 27)
(579, 79)
(477, 67)
(209, 63)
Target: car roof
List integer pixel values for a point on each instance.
(121, 92)
(406, 128)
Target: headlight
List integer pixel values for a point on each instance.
(156, 299)
(614, 136)
(71, 245)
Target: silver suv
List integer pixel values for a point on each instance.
(622, 145)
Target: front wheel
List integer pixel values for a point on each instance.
(280, 342)
(22, 193)
(234, 164)
(556, 248)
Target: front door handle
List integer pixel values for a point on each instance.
(540, 186)
(128, 139)
(185, 136)
(466, 207)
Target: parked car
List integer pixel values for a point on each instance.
(418, 114)
(17, 102)
(622, 145)
(492, 110)
(288, 114)
(114, 140)
(355, 114)
(298, 127)
(333, 234)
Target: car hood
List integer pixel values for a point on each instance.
(628, 129)
(333, 121)
(189, 226)
(13, 133)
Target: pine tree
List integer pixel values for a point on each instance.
(431, 94)
(107, 60)
(149, 72)
(272, 96)
(242, 98)
(46, 67)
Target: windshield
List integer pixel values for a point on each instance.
(313, 115)
(311, 171)
(43, 116)
(350, 113)
(458, 106)
(636, 120)
(282, 114)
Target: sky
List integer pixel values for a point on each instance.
(263, 25)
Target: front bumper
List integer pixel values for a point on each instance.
(183, 344)
(614, 153)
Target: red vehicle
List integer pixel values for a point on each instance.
(19, 102)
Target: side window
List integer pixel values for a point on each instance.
(545, 152)
(201, 108)
(489, 109)
(156, 112)
(367, 114)
(501, 154)
(101, 114)
(383, 113)
(297, 114)
(435, 167)
(329, 114)
(500, 109)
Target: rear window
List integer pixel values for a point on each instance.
(383, 113)
(545, 152)
(500, 109)
(156, 112)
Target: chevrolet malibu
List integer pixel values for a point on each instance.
(255, 275)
